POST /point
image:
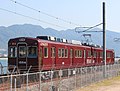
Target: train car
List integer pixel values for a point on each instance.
(35, 54)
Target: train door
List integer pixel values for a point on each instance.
(40, 58)
(96, 57)
(71, 56)
(53, 55)
(22, 56)
(85, 59)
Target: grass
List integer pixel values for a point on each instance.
(104, 83)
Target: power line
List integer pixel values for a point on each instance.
(39, 11)
(30, 17)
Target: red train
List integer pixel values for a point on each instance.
(46, 53)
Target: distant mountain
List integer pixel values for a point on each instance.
(28, 30)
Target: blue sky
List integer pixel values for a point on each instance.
(81, 12)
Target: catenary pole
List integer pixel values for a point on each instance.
(104, 41)
(104, 38)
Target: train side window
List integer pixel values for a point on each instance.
(45, 52)
(63, 52)
(108, 55)
(32, 52)
(80, 53)
(94, 54)
(66, 53)
(75, 53)
(12, 52)
(59, 53)
(89, 53)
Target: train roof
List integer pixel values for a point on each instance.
(17, 38)
(71, 44)
(56, 42)
(22, 39)
(67, 44)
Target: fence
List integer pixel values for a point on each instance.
(62, 80)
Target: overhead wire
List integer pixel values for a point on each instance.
(30, 17)
(39, 11)
(88, 28)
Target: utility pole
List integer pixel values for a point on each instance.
(104, 42)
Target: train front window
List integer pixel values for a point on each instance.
(12, 52)
(22, 51)
(32, 52)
